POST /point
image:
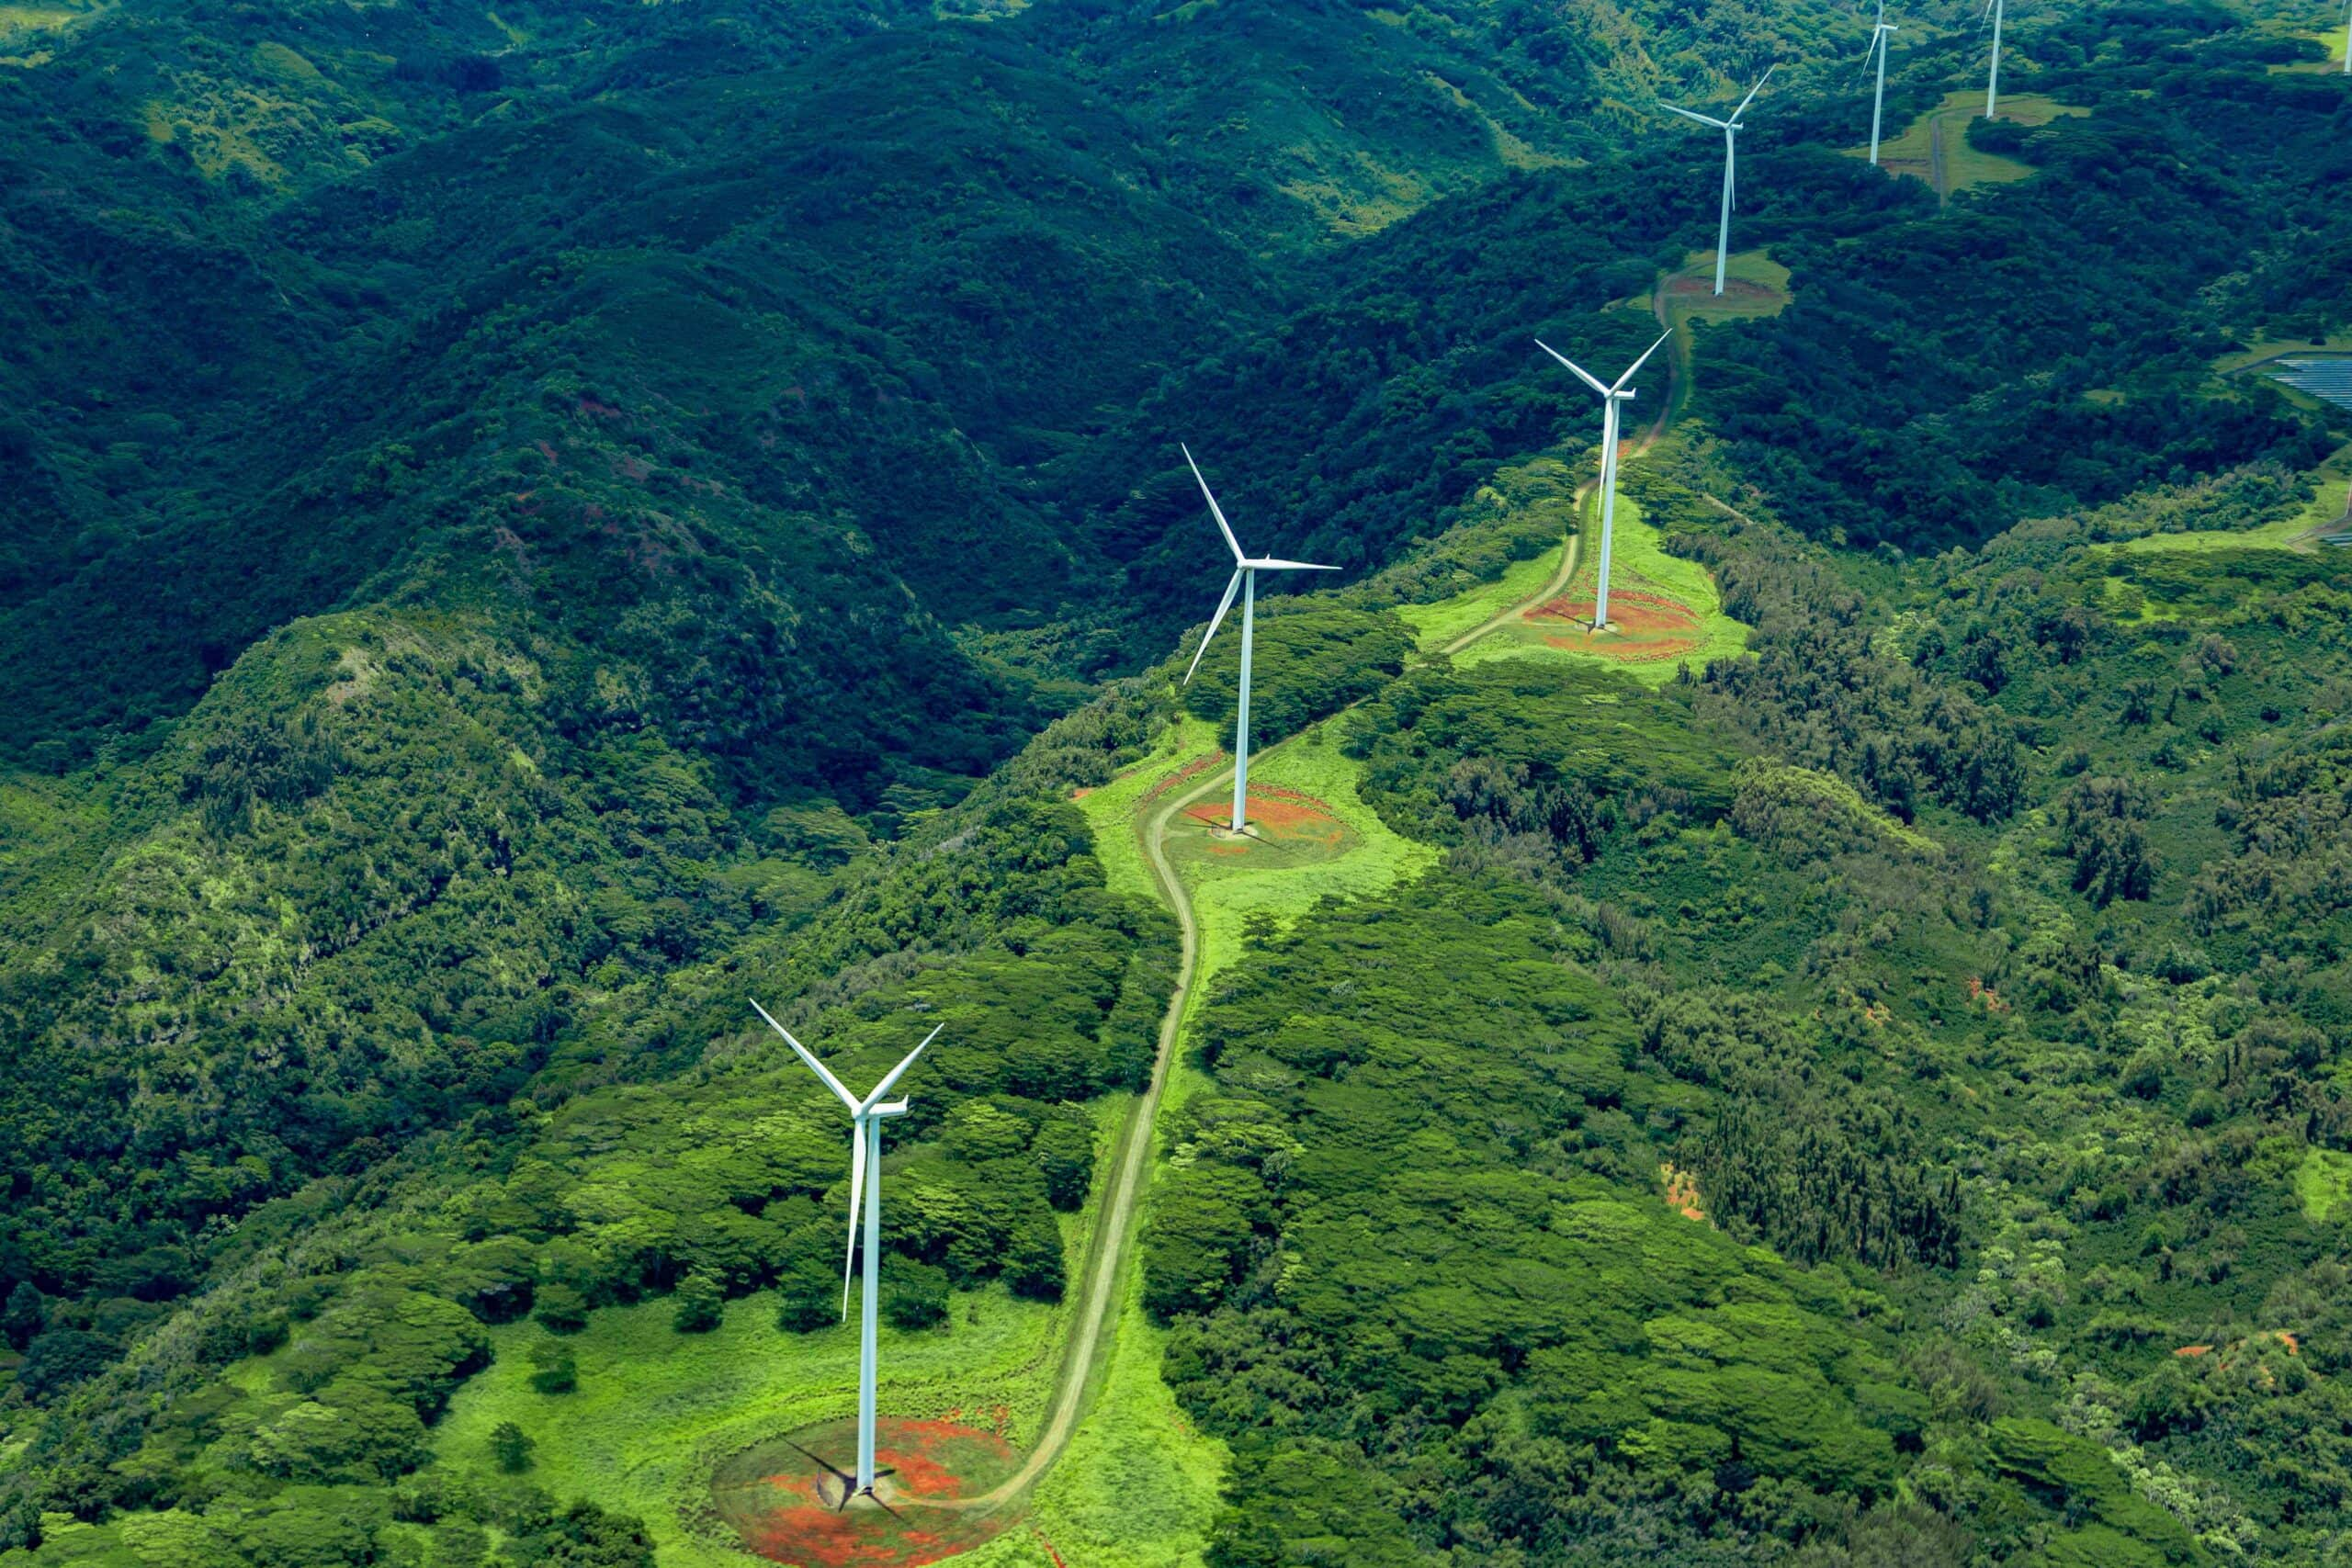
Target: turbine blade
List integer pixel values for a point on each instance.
(1645, 359)
(818, 1067)
(1686, 114)
(1214, 510)
(1572, 365)
(1270, 564)
(1753, 91)
(895, 1074)
(1215, 621)
(856, 1203)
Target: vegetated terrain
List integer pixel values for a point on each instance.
(527, 530)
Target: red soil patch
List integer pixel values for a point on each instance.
(1207, 759)
(1647, 628)
(1978, 991)
(784, 1506)
(1701, 285)
(1630, 653)
(1281, 816)
(1682, 1192)
(1632, 612)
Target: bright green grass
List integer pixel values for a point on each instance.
(2262, 346)
(656, 1410)
(2326, 507)
(1638, 558)
(1137, 1487)
(1436, 625)
(1114, 811)
(1910, 153)
(1754, 285)
(1223, 899)
(36, 18)
(2330, 38)
(2323, 1181)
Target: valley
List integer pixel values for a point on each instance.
(529, 531)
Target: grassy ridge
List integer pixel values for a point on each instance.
(1225, 899)
(1638, 562)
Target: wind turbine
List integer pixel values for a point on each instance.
(2348, 38)
(1730, 127)
(1245, 581)
(1879, 35)
(1992, 8)
(866, 1119)
(1609, 398)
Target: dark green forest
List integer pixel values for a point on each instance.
(523, 530)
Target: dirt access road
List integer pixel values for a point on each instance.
(1112, 1241)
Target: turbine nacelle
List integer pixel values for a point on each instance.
(1243, 564)
(864, 1115)
(1618, 390)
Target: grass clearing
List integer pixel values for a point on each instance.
(2261, 347)
(1138, 1485)
(1436, 625)
(1940, 137)
(36, 18)
(659, 1413)
(2330, 38)
(1755, 286)
(1114, 811)
(656, 1411)
(1223, 899)
(2324, 1182)
(1667, 607)
(2327, 510)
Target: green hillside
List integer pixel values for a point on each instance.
(527, 530)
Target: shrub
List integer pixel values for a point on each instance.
(701, 1306)
(1032, 1263)
(553, 1371)
(914, 1296)
(562, 1309)
(511, 1446)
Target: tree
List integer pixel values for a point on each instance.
(562, 1309)
(1032, 1263)
(511, 1446)
(1064, 1150)
(808, 1297)
(24, 1315)
(553, 1369)
(914, 1296)
(701, 1306)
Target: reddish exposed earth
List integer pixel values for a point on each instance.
(1646, 628)
(1279, 816)
(783, 1504)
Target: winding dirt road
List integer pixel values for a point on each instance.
(1109, 1248)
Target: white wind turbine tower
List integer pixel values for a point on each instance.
(1245, 583)
(2348, 38)
(1609, 398)
(1730, 127)
(865, 1117)
(1993, 9)
(1879, 36)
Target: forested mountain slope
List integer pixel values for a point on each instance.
(527, 529)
